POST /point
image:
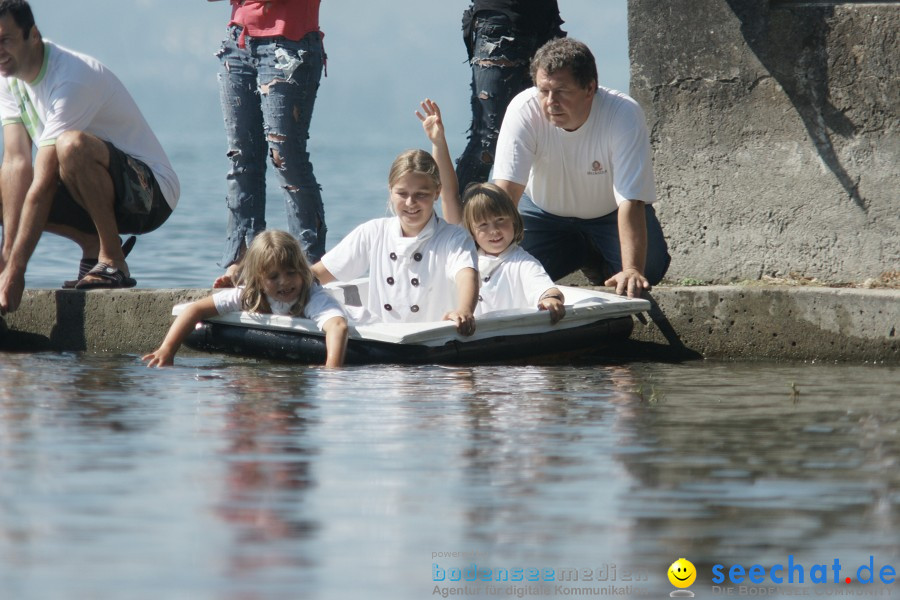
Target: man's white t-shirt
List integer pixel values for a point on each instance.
(411, 279)
(75, 92)
(584, 173)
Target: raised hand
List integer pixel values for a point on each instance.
(431, 120)
(451, 207)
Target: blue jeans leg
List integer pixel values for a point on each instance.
(500, 70)
(557, 242)
(566, 244)
(603, 235)
(289, 75)
(268, 90)
(246, 179)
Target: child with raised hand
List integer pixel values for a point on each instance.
(451, 208)
(420, 267)
(510, 277)
(274, 279)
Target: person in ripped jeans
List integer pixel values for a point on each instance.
(501, 36)
(272, 60)
(98, 171)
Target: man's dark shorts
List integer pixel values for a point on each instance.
(140, 206)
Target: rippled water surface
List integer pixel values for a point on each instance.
(229, 479)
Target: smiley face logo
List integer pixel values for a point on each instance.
(682, 573)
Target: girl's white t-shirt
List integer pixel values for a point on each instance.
(320, 307)
(513, 279)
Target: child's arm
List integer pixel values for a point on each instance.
(451, 207)
(335, 330)
(554, 301)
(180, 329)
(467, 298)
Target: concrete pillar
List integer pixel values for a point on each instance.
(776, 134)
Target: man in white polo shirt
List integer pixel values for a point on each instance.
(99, 170)
(576, 159)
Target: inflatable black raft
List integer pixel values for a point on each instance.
(593, 320)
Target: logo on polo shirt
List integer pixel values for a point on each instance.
(597, 168)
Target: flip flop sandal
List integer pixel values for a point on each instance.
(108, 277)
(86, 264)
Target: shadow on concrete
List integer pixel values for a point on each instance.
(630, 349)
(674, 349)
(68, 332)
(12, 340)
(791, 42)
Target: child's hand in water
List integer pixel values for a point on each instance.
(431, 120)
(555, 307)
(465, 321)
(161, 357)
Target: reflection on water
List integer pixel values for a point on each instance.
(235, 479)
(267, 458)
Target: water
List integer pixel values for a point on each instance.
(224, 478)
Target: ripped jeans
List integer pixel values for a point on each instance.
(500, 60)
(267, 90)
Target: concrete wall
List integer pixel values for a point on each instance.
(776, 134)
(734, 322)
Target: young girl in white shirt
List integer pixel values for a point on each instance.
(510, 277)
(274, 279)
(420, 267)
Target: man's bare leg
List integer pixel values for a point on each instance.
(88, 242)
(84, 170)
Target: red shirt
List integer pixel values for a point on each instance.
(291, 19)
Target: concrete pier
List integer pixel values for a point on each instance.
(729, 322)
(776, 134)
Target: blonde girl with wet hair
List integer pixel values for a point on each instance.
(274, 278)
(420, 267)
(509, 276)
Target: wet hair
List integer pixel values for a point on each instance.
(566, 53)
(272, 249)
(482, 201)
(21, 13)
